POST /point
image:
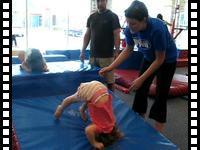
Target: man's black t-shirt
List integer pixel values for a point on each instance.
(102, 26)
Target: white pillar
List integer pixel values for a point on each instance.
(109, 4)
(93, 5)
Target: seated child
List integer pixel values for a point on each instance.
(102, 131)
(32, 61)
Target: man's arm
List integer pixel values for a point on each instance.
(86, 41)
(116, 33)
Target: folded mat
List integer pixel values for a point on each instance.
(124, 78)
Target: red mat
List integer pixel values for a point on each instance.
(124, 78)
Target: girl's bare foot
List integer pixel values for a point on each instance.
(159, 126)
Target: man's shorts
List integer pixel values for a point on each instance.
(104, 62)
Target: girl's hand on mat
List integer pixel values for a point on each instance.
(58, 112)
(136, 84)
(104, 70)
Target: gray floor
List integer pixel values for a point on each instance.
(176, 129)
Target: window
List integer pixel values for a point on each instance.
(36, 20)
(49, 24)
(18, 24)
(165, 7)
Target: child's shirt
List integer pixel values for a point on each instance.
(101, 115)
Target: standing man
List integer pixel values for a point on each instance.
(103, 33)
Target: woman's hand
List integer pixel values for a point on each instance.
(104, 70)
(136, 84)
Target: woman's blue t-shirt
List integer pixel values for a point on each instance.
(155, 37)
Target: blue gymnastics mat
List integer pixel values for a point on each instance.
(35, 97)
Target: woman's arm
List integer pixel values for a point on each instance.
(86, 41)
(160, 57)
(123, 56)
